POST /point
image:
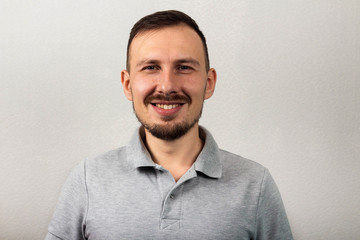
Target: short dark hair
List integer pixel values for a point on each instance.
(164, 19)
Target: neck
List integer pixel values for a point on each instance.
(177, 156)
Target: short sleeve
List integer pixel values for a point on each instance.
(68, 221)
(271, 222)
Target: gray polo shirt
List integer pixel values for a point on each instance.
(123, 194)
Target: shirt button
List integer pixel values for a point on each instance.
(172, 196)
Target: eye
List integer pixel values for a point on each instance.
(184, 67)
(150, 67)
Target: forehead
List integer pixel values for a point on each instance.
(167, 44)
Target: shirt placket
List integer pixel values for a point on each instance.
(172, 198)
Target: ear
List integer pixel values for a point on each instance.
(125, 81)
(210, 84)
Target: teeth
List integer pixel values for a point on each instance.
(164, 106)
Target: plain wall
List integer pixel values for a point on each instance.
(287, 96)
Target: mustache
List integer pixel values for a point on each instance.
(167, 97)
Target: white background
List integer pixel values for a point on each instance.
(288, 97)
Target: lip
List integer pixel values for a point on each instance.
(166, 102)
(167, 112)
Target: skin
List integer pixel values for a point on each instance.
(169, 61)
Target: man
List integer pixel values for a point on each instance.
(171, 181)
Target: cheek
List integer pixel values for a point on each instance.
(195, 89)
(141, 89)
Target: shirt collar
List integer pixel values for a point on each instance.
(137, 153)
(208, 161)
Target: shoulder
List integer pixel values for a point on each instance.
(105, 163)
(242, 169)
(236, 161)
(109, 157)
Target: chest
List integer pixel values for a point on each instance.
(159, 208)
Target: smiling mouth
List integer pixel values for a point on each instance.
(166, 106)
(167, 109)
(168, 101)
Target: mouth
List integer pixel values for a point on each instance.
(167, 106)
(167, 109)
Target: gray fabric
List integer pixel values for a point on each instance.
(123, 194)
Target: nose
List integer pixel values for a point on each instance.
(167, 82)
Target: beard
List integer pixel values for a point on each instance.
(168, 131)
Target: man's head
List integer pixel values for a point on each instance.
(167, 76)
(164, 19)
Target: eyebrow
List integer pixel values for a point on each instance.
(177, 62)
(147, 61)
(188, 60)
